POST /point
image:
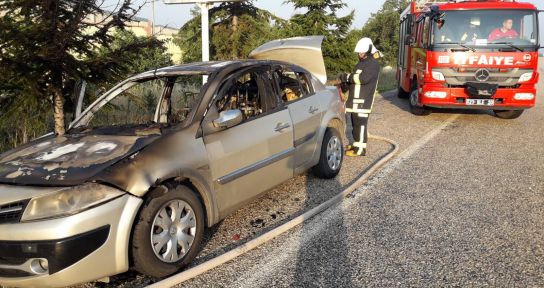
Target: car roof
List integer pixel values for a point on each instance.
(206, 67)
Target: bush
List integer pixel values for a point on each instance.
(388, 80)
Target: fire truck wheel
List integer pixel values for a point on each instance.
(414, 108)
(402, 94)
(508, 114)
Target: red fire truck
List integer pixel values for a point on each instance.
(469, 54)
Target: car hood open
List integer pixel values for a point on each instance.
(302, 51)
(68, 160)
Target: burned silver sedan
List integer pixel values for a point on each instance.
(153, 162)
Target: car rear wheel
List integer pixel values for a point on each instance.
(332, 155)
(168, 234)
(508, 114)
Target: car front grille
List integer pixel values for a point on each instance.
(13, 273)
(12, 260)
(508, 77)
(12, 212)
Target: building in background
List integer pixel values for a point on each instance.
(143, 27)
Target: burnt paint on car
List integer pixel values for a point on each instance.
(68, 160)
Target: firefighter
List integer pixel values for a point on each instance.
(362, 84)
(472, 32)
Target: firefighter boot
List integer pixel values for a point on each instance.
(354, 152)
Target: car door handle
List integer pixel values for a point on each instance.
(312, 110)
(281, 126)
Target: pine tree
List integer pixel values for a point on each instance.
(383, 29)
(47, 46)
(237, 28)
(321, 18)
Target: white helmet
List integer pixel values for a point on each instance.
(365, 45)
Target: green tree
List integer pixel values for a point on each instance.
(136, 61)
(321, 18)
(237, 29)
(47, 46)
(146, 57)
(383, 29)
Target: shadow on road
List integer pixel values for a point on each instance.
(323, 267)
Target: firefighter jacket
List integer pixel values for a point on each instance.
(362, 86)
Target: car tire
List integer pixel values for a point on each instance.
(508, 114)
(331, 156)
(158, 260)
(414, 108)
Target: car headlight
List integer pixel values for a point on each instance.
(524, 96)
(69, 201)
(436, 94)
(438, 76)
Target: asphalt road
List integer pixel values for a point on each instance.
(463, 205)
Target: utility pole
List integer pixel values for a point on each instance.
(205, 6)
(152, 17)
(205, 24)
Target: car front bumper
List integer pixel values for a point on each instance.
(80, 248)
(456, 98)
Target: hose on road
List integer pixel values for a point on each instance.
(252, 244)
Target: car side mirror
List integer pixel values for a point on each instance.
(229, 118)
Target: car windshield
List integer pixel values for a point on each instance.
(487, 28)
(147, 102)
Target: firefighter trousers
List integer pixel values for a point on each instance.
(360, 132)
(360, 112)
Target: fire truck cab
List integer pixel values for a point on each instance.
(469, 55)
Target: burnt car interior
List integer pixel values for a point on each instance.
(293, 85)
(246, 92)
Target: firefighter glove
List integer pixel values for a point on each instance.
(344, 78)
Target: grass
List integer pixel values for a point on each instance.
(388, 80)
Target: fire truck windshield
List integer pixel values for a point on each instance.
(512, 29)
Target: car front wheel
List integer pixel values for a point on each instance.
(332, 155)
(168, 233)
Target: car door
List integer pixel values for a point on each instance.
(257, 154)
(304, 109)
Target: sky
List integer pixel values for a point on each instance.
(176, 15)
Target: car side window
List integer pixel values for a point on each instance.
(305, 83)
(293, 85)
(185, 93)
(247, 92)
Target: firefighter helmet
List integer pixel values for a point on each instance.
(365, 45)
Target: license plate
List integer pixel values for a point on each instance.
(481, 102)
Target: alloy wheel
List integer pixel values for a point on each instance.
(334, 153)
